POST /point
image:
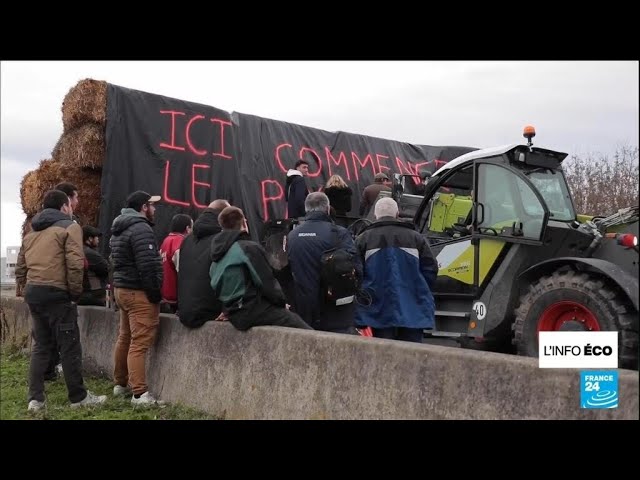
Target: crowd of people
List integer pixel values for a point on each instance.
(211, 270)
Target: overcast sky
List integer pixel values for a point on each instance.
(576, 107)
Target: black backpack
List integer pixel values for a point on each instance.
(338, 279)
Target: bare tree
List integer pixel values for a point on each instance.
(602, 185)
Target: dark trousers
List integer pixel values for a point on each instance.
(54, 359)
(400, 333)
(271, 315)
(56, 322)
(93, 297)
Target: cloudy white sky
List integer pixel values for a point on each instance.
(576, 107)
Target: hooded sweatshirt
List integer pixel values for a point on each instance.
(242, 278)
(295, 193)
(134, 253)
(51, 260)
(198, 302)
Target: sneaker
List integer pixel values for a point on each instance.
(35, 405)
(146, 399)
(90, 400)
(120, 391)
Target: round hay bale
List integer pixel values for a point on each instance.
(83, 147)
(50, 173)
(86, 102)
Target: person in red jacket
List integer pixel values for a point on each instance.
(181, 226)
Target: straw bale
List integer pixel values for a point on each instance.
(83, 147)
(86, 102)
(32, 187)
(28, 184)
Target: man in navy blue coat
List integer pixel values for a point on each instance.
(305, 246)
(399, 275)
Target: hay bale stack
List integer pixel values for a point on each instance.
(83, 146)
(49, 174)
(85, 103)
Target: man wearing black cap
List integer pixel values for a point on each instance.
(96, 269)
(137, 278)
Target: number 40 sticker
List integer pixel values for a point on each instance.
(480, 309)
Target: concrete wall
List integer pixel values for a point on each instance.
(280, 373)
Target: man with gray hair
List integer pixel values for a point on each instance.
(399, 274)
(306, 245)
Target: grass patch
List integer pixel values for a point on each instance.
(14, 369)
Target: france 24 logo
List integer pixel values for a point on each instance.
(599, 389)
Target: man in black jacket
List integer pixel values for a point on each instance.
(96, 269)
(296, 189)
(137, 278)
(198, 302)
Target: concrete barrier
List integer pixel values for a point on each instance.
(281, 373)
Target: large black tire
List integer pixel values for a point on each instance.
(585, 289)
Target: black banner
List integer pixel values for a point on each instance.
(191, 154)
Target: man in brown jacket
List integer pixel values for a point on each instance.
(51, 262)
(370, 193)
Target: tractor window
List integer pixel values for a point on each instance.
(508, 204)
(553, 188)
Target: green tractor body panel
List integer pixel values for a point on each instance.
(448, 209)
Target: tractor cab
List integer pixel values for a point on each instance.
(507, 192)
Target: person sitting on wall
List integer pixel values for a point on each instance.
(198, 303)
(242, 279)
(181, 225)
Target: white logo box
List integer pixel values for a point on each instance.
(578, 349)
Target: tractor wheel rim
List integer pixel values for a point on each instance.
(560, 313)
